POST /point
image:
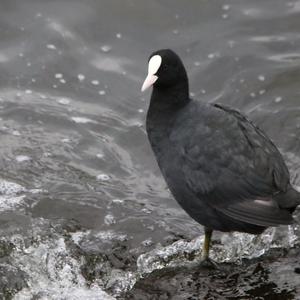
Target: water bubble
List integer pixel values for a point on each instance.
(95, 82)
(118, 201)
(278, 99)
(51, 47)
(261, 92)
(16, 133)
(103, 177)
(102, 92)
(146, 211)
(58, 75)
(226, 7)
(22, 158)
(197, 63)
(147, 242)
(66, 140)
(118, 35)
(106, 48)
(100, 155)
(261, 78)
(81, 77)
(231, 43)
(213, 55)
(28, 92)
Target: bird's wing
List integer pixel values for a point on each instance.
(229, 163)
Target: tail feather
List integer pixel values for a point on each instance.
(289, 199)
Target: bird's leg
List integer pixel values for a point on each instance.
(206, 245)
(206, 261)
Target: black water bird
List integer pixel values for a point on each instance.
(221, 168)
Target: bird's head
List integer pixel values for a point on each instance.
(165, 69)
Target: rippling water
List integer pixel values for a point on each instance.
(84, 211)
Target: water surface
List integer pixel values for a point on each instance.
(84, 211)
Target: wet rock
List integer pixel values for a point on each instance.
(12, 280)
(6, 248)
(270, 277)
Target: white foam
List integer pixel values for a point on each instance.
(83, 120)
(109, 219)
(10, 188)
(54, 274)
(10, 203)
(64, 101)
(61, 29)
(22, 158)
(10, 197)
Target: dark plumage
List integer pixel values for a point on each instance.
(220, 167)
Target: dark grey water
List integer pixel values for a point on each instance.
(84, 212)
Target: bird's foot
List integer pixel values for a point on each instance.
(208, 263)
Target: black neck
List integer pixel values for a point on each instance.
(169, 99)
(164, 106)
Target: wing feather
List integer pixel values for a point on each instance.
(230, 163)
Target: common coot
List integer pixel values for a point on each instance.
(221, 168)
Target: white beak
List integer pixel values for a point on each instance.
(149, 81)
(153, 66)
